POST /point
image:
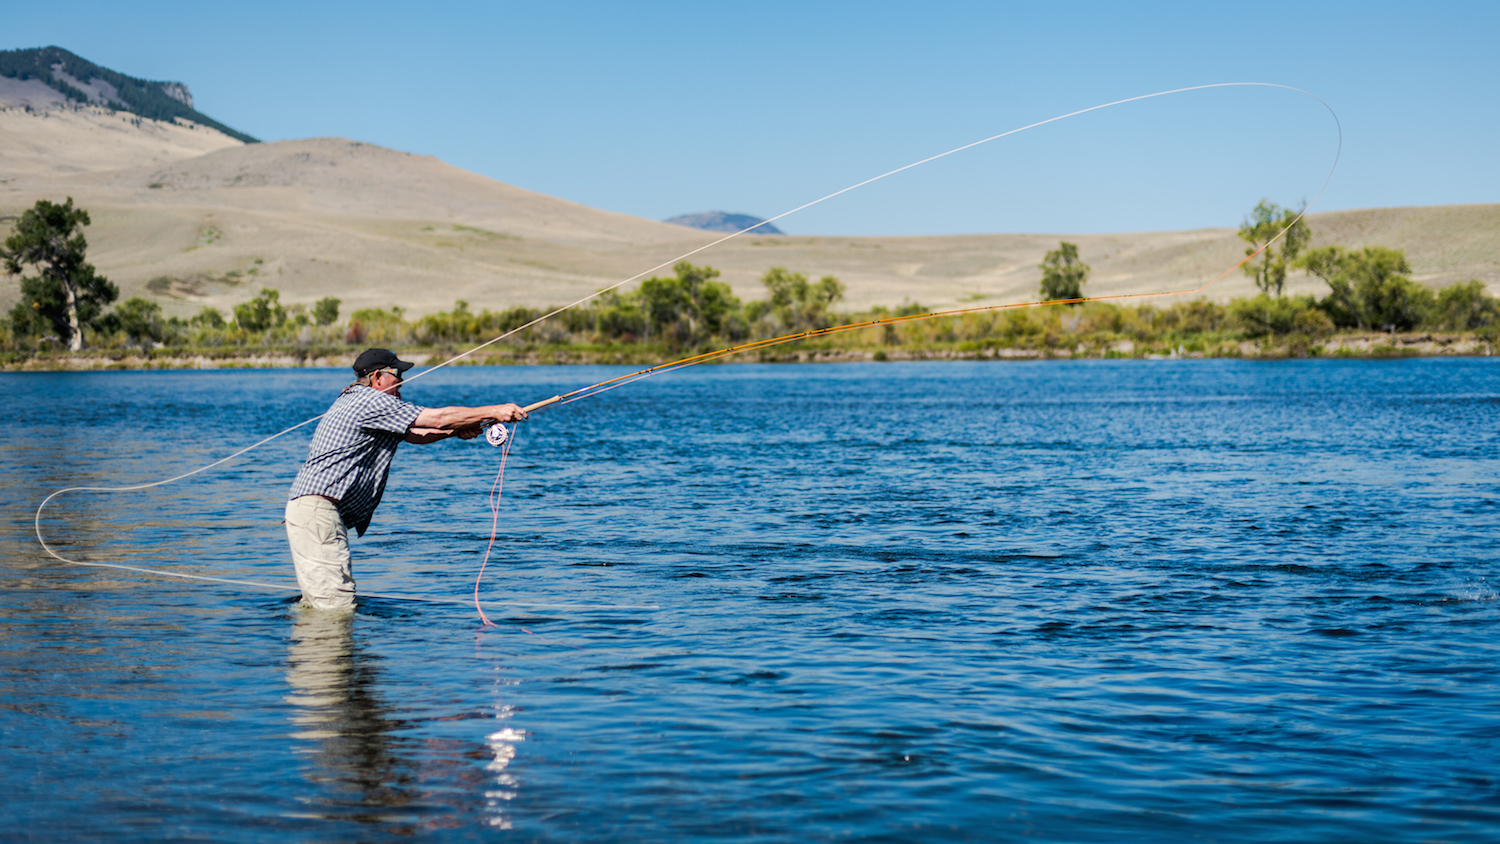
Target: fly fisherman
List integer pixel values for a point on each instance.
(347, 464)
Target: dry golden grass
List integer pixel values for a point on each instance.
(191, 218)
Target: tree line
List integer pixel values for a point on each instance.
(1368, 289)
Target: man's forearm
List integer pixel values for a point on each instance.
(423, 436)
(451, 418)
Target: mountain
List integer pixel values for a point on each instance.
(719, 221)
(78, 80)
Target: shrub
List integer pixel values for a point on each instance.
(1466, 307)
(1268, 315)
(141, 321)
(263, 312)
(326, 311)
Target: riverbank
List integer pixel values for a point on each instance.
(1351, 345)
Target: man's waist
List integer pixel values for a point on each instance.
(334, 501)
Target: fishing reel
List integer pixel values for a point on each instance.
(496, 435)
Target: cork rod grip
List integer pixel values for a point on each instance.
(541, 404)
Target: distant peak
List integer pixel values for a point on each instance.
(719, 221)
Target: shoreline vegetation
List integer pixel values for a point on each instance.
(1378, 346)
(667, 319)
(1373, 310)
(1195, 329)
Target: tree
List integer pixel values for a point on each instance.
(68, 293)
(141, 321)
(1266, 225)
(619, 316)
(1063, 274)
(326, 311)
(1465, 306)
(262, 312)
(207, 318)
(1369, 287)
(1390, 299)
(1331, 264)
(689, 306)
(798, 303)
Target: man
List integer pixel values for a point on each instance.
(347, 465)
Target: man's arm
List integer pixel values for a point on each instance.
(454, 419)
(423, 436)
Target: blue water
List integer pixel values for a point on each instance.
(1068, 601)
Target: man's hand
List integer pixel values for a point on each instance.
(507, 413)
(468, 432)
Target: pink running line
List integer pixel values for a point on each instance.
(496, 490)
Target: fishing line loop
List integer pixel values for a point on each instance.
(613, 383)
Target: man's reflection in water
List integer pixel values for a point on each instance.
(337, 709)
(351, 739)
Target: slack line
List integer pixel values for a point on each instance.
(693, 360)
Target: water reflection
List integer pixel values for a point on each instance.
(355, 768)
(502, 788)
(369, 766)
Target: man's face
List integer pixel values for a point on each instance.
(387, 381)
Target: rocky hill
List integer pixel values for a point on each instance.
(48, 77)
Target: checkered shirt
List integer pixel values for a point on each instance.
(351, 452)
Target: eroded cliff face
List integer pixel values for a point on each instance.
(178, 92)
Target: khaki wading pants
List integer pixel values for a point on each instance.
(320, 552)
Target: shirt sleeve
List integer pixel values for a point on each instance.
(384, 412)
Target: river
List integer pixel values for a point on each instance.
(1088, 601)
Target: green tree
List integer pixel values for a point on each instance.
(326, 311)
(263, 312)
(1465, 306)
(619, 316)
(796, 303)
(1063, 274)
(1276, 235)
(141, 321)
(1369, 288)
(67, 294)
(208, 318)
(688, 307)
(1331, 264)
(1391, 300)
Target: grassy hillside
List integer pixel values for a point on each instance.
(376, 228)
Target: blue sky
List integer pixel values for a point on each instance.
(664, 108)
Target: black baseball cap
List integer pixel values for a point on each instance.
(372, 359)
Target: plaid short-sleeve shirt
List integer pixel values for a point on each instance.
(351, 451)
